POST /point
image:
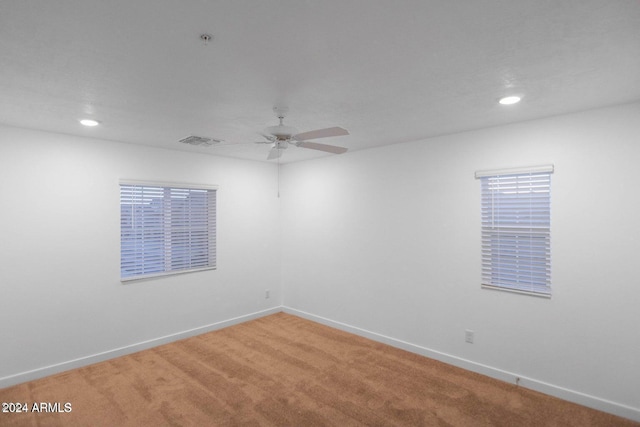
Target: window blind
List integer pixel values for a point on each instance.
(516, 228)
(166, 229)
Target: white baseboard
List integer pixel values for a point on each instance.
(133, 348)
(510, 377)
(530, 383)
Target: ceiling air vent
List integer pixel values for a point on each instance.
(200, 140)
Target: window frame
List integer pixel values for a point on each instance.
(171, 261)
(518, 229)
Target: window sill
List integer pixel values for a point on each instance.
(518, 291)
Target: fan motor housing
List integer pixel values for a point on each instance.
(282, 132)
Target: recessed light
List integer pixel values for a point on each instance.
(509, 100)
(89, 122)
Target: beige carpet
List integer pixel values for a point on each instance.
(282, 370)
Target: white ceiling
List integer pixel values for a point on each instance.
(388, 71)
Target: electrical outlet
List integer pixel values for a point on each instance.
(267, 294)
(468, 336)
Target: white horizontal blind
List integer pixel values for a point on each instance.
(166, 230)
(516, 226)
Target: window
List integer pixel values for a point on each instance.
(516, 226)
(166, 229)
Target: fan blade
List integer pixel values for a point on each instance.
(269, 138)
(321, 133)
(322, 147)
(274, 153)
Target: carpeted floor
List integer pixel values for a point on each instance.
(282, 370)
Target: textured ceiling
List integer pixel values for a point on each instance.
(388, 71)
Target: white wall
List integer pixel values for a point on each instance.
(384, 242)
(61, 297)
(387, 242)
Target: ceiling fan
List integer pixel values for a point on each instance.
(281, 136)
